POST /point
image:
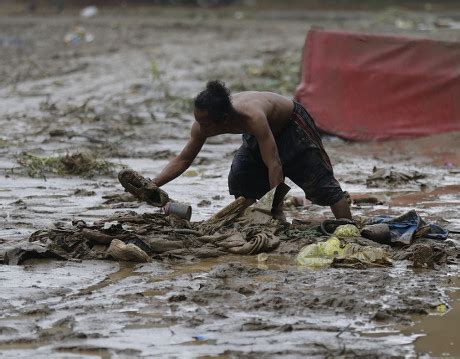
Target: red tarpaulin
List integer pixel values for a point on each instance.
(372, 87)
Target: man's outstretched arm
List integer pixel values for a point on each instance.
(183, 161)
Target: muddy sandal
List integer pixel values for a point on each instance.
(142, 188)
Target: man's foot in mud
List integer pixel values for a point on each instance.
(341, 209)
(142, 188)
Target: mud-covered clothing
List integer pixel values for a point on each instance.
(302, 156)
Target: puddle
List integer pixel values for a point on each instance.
(439, 336)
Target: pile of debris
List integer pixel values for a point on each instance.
(392, 178)
(128, 236)
(242, 228)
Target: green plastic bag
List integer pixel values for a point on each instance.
(347, 230)
(320, 254)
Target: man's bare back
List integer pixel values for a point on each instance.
(277, 109)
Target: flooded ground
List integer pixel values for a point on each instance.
(125, 99)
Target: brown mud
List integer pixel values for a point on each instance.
(125, 98)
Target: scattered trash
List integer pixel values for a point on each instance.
(262, 257)
(404, 24)
(422, 256)
(295, 201)
(83, 193)
(127, 252)
(377, 232)
(447, 23)
(25, 250)
(349, 255)
(180, 210)
(366, 200)
(163, 155)
(118, 198)
(89, 11)
(136, 237)
(262, 211)
(441, 308)
(314, 255)
(228, 214)
(273, 198)
(191, 173)
(427, 254)
(361, 257)
(78, 35)
(12, 41)
(238, 15)
(391, 177)
(339, 253)
(347, 230)
(204, 203)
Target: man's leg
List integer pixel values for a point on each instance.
(341, 209)
(317, 180)
(247, 177)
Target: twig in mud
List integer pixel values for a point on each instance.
(32, 94)
(89, 138)
(77, 68)
(342, 330)
(324, 346)
(71, 134)
(74, 109)
(42, 130)
(34, 64)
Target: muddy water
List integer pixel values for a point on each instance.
(209, 307)
(440, 330)
(129, 115)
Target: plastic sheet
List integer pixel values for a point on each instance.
(373, 87)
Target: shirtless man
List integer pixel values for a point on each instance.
(279, 139)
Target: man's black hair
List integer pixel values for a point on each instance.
(215, 99)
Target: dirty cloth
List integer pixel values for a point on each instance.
(303, 158)
(238, 228)
(159, 236)
(403, 229)
(391, 177)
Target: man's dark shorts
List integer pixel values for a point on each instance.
(303, 158)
